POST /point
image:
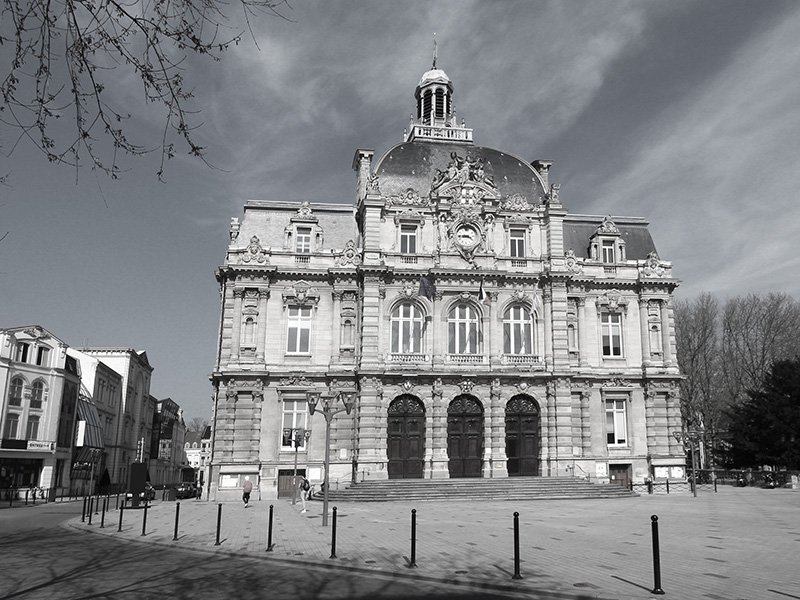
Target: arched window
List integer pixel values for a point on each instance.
(37, 394)
(518, 330)
(249, 332)
(406, 329)
(15, 391)
(463, 330)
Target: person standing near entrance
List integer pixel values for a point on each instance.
(246, 490)
(305, 485)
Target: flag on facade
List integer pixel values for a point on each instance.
(537, 303)
(483, 296)
(426, 289)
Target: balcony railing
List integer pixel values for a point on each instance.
(466, 359)
(408, 357)
(522, 359)
(302, 259)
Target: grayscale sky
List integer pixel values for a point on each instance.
(684, 113)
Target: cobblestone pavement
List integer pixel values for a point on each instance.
(739, 543)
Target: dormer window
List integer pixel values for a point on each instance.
(42, 355)
(517, 243)
(303, 240)
(22, 351)
(608, 251)
(408, 239)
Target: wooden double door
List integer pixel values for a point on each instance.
(465, 437)
(406, 444)
(522, 436)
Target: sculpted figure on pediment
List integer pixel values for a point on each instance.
(254, 253)
(652, 267)
(349, 257)
(410, 197)
(516, 202)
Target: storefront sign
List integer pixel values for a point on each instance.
(42, 446)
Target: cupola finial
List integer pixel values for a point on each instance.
(434, 49)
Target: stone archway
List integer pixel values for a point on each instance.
(522, 436)
(406, 433)
(465, 437)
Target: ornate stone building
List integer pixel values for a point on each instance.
(486, 331)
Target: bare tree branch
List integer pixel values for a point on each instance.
(66, 53)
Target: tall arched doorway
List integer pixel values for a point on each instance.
(465, 437)
(406, 447)
(522, 436)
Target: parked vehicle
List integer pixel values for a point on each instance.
(185, 490)
(148, 494)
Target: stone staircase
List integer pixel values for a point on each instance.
(512, 488)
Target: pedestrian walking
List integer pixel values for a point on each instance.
(246, 489)
(305, 486)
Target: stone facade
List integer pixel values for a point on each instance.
(486, 331)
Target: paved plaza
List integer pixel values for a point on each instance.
(739, 543)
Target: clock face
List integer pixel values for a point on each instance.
(466, 236)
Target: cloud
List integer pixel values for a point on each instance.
(714, 172)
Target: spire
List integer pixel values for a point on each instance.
(434, 50)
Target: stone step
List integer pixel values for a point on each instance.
(513, 488)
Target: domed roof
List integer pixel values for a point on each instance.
(415, 165)
(434, 76)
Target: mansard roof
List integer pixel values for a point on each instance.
(578, 229)
(414, 165)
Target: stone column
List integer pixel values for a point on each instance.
(236, 329)
(645, 331)
(583, 344)
(666, 332)
(547, 298)
(498, 432)
(439, 468)
(263, 296)
(372, 429)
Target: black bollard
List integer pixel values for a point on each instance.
(91, 506)
(121, 510)
(144, 520)
(413, 563)
(26, 497)
(333, 535)
(83, 512)
(103, 514)
(116, 504)
(656, 558)
(668, 486)
(177, 516)
(219, 521)
(516, 547)
(269, 534)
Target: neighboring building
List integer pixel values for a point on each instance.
(134, 423)
(39, 386)
(166, 453)
(486, 331)
(102, 387)
(197, 450)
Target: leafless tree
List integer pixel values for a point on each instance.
(724, 353)
(757, 331)
(60, 56)
(197, 424)
(698, 339)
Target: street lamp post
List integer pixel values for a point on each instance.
(297, 436)
(691, 436)
(328, 410)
